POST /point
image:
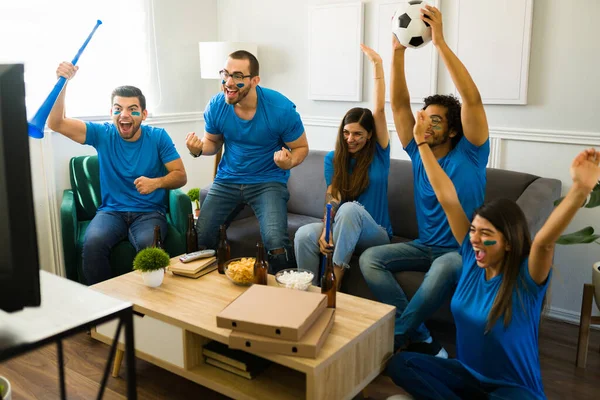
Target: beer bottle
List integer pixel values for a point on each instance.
(328, 282)
(223, 249)
(191, 236)
(261, 266)
(157, 237)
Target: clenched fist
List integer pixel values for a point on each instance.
(283, 158)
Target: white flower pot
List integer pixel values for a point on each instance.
(153, 278)
(596, 282)
(7, 393)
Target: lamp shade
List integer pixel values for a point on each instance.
(214, 54)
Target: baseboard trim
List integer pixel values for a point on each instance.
(568, 316)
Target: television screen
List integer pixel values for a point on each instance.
(19, 264)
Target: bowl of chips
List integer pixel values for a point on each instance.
(240, 270)
(295, 278)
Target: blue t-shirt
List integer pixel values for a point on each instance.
(374, 199)
(506, 356)
(250, 144)
(465, 165)
(122, 162)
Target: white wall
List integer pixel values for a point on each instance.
(559, 120)
(540, 138)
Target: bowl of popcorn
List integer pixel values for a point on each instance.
(295, 278)
(240, 270)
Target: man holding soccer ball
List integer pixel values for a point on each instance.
(458, 136)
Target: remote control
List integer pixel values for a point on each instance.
(196, 255)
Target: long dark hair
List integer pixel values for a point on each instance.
(508, 218)
(351, 185)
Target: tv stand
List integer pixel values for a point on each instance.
(67, 308)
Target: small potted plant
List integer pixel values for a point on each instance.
(5, 392)
(151, 262)
(194, 195)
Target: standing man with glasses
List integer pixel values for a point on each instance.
(264, 138)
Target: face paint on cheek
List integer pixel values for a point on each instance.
(240, 85)
(136, 113)
(116, 112)
(223, 82)
(489, 243)
(436, 128)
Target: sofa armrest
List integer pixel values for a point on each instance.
(68, 221)
(179, 208)
(537, 201)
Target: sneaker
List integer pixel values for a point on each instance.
(433, 349)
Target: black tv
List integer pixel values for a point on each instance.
(19, 264)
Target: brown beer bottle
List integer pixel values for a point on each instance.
(261, 266)
(191, 236)
(328, 282)
(223, 249)
(157, 238)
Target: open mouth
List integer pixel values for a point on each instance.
(479, 254)
(125, 126)
(230, 93)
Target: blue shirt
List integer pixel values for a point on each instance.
(122, 162)
(250, 144)
(465, 165)
(374, 198)
(506, 356)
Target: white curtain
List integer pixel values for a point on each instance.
(42, 33)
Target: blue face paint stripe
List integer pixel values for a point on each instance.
(240, 85)
(116, 112)
(489, 243)
(135, 113)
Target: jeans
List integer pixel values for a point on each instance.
(269, 203)
(109, 228)
(353, 228)
(443, 267)
(429, 377)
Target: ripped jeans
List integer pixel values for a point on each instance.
(353, 229)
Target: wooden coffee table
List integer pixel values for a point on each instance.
(179, 317)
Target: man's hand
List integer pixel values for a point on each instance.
(420, 127)
(283, 158)
(194, 143)
(66, 70)
(145, 185)
(323, 246)
(433, 17)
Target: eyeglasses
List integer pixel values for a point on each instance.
(237, 76)
(435, 120)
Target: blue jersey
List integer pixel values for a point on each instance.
(374, 199)
(250, 144)
(465, 165)
(122, 162)
(503, 355)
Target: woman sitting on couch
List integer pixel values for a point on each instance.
(357, 177)
(498, 301)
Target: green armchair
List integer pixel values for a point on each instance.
(79, 206)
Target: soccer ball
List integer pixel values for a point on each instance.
(408, 26)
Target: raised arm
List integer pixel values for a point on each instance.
(440, 182)
(207, 146)
(383, 135)
(585, 174)
(404, 120)
(74, 129)
(473, 116)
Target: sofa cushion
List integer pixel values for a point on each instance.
(307, 186)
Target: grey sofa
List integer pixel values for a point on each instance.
(306, 185)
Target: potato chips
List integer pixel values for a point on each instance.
(242, 270)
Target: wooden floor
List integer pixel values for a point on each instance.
(35, 375)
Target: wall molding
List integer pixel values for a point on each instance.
(568, 316)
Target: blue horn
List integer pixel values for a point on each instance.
(37, 123)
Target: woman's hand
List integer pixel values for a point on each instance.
(585, 171)
(433, 17)
(323, 245)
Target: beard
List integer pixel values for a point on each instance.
(439, 140)
(241, 94)
(128, 133)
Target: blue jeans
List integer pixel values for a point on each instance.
(429, 377)
(109, 228)
(269, 203)
(443, 267)
(353, 228)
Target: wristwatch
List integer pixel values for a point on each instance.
(196, 155)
